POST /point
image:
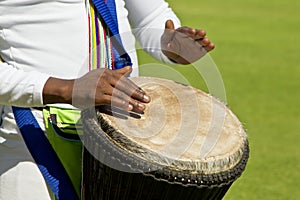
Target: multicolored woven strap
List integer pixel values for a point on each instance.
(100, 45)
(105, 45)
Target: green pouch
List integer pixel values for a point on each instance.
(63, 127)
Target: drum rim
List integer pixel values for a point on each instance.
(155, 170)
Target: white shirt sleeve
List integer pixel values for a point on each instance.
(147, 19)
(39, 39)
(21, 88)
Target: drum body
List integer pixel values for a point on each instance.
(186, 145)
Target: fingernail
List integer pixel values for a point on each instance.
(146, 98)
(130, 107)
(141, 106)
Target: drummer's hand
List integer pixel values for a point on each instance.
(184, 45)
(101, 87)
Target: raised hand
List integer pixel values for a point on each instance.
(184, 45)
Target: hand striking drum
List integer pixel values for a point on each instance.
(186, 145)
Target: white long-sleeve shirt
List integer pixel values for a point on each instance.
(49, 38)
(39, 39)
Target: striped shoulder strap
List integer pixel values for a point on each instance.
(100, 46)
(104, 13)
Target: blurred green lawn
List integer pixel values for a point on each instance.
(257, 54)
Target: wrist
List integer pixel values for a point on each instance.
(58, 91)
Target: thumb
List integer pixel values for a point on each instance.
(169, 25)
(125, 70)
(168, 33)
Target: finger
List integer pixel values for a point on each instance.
(187, 31)
(210, 47)
(169, 25)
(134, 103)
(200, 34)
(207, 44)
(121, 82)
(125, 85)
(131, 89)
(192, 33)
(204, 42)
(117, 98)
(113, 97)
(168, 34)
(116, 102)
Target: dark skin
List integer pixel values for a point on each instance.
(112, 87)
(184, 45)
(97, 87)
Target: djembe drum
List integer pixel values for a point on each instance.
(186, 145)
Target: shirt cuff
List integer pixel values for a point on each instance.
(37, 93)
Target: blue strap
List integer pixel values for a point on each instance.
(108, 13)
(44, 155)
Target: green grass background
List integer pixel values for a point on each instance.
(257, 54)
